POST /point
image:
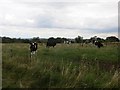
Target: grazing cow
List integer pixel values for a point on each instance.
(51, 42)
(98, 44)
(33, 47)
(67, 42)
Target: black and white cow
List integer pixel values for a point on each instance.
(67, 42)
(33, 47)
(98, 44)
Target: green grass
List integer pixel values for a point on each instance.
(65, 66)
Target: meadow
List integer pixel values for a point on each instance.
(64, 66)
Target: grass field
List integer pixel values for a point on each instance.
(64, 66)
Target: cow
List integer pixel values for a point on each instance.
(33, 47)
(98, 44)
(51, 42)
(67, 42)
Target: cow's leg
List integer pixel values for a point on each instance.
(98, 46)
(33, 52)
(30, 55)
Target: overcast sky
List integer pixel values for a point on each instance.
(58, 18)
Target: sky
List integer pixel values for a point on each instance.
(58, 18)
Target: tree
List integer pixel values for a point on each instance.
(100, 39)
(112, 39)
(7, 40)
(79, 39)
(36, 39)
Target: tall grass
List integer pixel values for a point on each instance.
(65, 66)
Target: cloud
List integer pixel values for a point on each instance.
(52, 18)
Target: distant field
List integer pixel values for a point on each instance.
(64, 66)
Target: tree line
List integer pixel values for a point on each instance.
(78, 39)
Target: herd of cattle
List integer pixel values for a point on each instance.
(52, 42)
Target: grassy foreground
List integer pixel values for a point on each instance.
(65, 66)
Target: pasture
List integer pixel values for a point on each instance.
(64, 66)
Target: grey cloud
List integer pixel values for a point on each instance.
(44, 22)
(84, 16)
